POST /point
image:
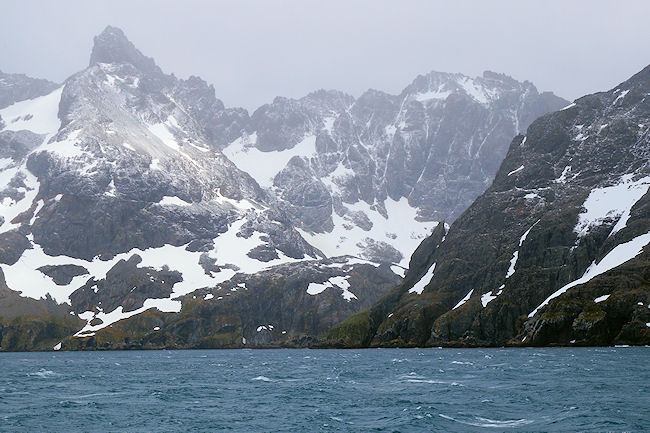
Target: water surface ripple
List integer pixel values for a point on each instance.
(391, 390)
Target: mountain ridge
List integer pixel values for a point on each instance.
(126, 196)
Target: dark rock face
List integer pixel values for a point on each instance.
(18, 87)
(12, 246)
(569, 203)
(304, 197)
(125, 285)
(16, 145)
(63, 275)
(35, 332)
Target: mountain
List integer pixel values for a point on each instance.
(144, 213)
(350, 171)
(554, 252)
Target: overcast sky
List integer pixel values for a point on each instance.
(252, 51)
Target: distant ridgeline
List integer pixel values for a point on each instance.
(137, 211)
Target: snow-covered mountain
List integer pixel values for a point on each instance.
(125, 190)
(556, 251)
(372, 176)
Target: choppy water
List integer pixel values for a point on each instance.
(582, 389)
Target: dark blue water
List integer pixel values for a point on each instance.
(586, 389)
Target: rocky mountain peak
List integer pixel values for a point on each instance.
(436, 87)
(112, 46)
(502, 78)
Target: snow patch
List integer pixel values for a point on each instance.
(349, 239)
(620, 96)
(513, 262)
(563, 176)
(477, 91)
(39, 115)
(465, 299)
(163, 132)
(39, 206)
(601, 298)
(328, 124)
(617, 256)
(340, 282)
(614, 201)
(243, 204)
(488, 297)
(433, 94)
(422, 282)
(173, 201)
(163, 305)
(111, 189)
(398, 270)
(264, 166)
(516, 170)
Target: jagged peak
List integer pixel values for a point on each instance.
(371, 94)
(327, 94)
(484, 88)
(503, 78)
(112, 46)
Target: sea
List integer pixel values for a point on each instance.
(302, 390)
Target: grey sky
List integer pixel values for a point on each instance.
(252, 51)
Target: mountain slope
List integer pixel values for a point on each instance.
(554, 252)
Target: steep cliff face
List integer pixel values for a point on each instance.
(555, 251)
